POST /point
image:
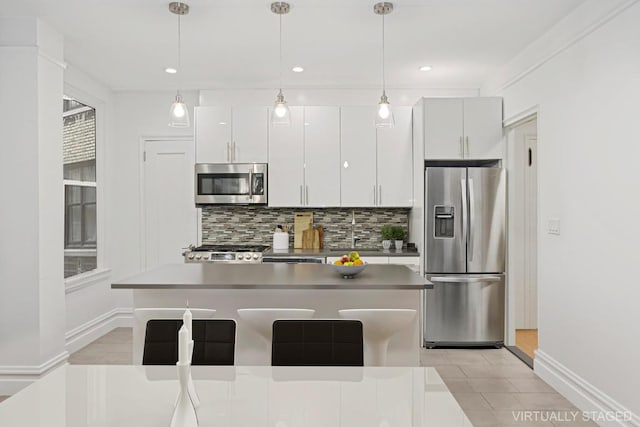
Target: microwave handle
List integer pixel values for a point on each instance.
(251, 184)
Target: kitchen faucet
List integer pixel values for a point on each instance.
(354, 240)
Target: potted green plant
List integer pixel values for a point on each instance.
(398, 234)
(387, 234)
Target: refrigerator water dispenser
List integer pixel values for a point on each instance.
(444, 220)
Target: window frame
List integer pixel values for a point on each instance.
(102, 271)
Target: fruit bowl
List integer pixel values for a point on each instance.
(349, 271)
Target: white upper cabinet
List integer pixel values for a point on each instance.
(249, 134)
(443, 131)
(286, 162)
(358, 183)
(212, 131)
(483, 128)
(322, 156)
(231, 135)
(463, 128)
(377, 164)
(395, 161)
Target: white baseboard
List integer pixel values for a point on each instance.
(582, 394)
(16, 377)
(90, 331)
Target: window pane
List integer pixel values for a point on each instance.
(88, 195)
(74, 225)
(89, 225)
(74, 195)
(89, 172)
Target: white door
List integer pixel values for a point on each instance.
(358, 184)
(286, 159)
(483, 128)
(212, 132)
(443, 131)
(322, 156)
(170, 215)
(395, 161)
(249, 135)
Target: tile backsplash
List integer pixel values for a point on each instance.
(255, 224)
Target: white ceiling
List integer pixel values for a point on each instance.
(234, 43)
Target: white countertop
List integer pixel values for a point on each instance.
(240, 396)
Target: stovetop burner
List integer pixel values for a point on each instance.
(230, 248)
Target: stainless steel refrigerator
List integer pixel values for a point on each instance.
(465, 256)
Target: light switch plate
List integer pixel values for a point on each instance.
(553, 226)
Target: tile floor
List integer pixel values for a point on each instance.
(492, 386)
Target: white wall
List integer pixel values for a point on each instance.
(137, 115)
(587, 93)
(92, 308)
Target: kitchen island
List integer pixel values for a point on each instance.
(229, 287)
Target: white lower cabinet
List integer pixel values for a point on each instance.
(413, 262)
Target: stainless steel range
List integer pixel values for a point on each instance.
(230, 254)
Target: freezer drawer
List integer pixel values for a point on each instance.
(464, 310)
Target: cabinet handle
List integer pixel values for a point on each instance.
(380, 197)
(466, 138)
(375, 196)
(228, 152)
(301, 202)
(461, 148)
(306, 195)
(233, 151)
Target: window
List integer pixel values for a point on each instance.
(79, 157)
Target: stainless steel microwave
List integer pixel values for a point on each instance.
(231, 183)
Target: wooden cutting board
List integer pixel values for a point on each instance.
(301, 222)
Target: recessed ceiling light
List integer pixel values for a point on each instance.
(297, 69)
(170, 70)
(425, 68)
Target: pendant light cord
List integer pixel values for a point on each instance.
(280, 52)
(179, 53)
(383, 82)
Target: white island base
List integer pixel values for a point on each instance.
(251, 348)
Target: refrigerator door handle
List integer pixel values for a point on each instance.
(450, 279)
(463, 187)
(472, 219)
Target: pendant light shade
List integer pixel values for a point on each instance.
(280, 116)
(179, 112)
(384, 115)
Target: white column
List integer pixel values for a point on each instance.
(32, 298)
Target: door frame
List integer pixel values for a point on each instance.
(142, 208)
(510, 124)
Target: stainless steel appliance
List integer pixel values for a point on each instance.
(231, 183)
(293, 260)
(229, 254)
(465, 255)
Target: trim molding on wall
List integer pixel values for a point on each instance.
(16, 377)
(580, 392)
(90, 331)
(579, 32)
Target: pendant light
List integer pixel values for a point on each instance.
(384, 115)
(179, 113)
(280, 116)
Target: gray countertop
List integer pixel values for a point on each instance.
(272, 276)
(327, 252)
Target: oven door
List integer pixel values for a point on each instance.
(236, 183)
